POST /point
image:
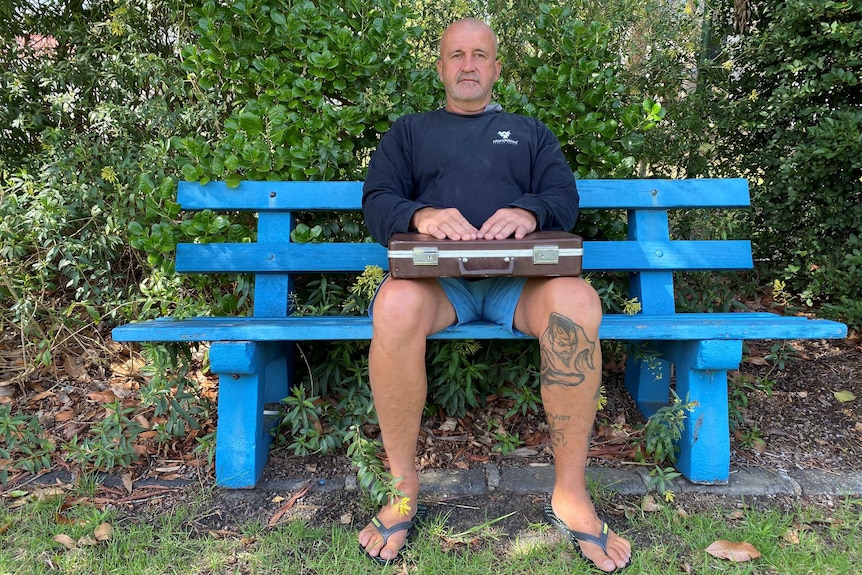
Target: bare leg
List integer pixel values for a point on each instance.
(565, 313)
(405, 313)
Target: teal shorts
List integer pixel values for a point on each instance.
(488, 299)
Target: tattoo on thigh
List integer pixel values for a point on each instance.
(566, 351)
(558, 436)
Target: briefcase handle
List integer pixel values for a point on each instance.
(488, 271)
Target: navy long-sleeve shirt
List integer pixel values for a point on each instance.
(475, 163)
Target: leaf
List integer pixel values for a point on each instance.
(733, 551)
(844, 396)
(65, 541)
(649, 504)
(104, 532)
(127, 482)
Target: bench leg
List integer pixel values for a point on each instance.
(242, 440)
(701, 377)
(647, 379)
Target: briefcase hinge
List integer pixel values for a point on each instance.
(425, 256)
(546, 255)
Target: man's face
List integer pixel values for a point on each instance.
(468, 66)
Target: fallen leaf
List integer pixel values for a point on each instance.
(40, 396)
(791, 536)
(757, 361)
(858, 426)
(127, 482)
(16, 493)
(65, 541)
(104, 532)
(450, 424)
(43, 493)
(64, 415)
(649, 504)
(106, 396)
(733, 551)
(844, 396)
(5, 527)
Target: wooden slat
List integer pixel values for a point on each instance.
(605, 256)
(595, 194)
(695, 326)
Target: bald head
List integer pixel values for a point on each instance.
(468, 65)
(472, 24)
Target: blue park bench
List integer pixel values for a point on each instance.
(252, 355)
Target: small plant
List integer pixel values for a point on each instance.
(454, 376)
(752, 439)
(363, 290)
(663, 429)
(506, 442)
(302, 423)
(524, 400)
(660, 481)
(23, 440)
(779, 354)
(370, 473)
(206, 447)
(109, 443)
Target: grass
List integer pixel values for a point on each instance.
(806, 539)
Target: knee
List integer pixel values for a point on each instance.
(577, 297)
(400, 305)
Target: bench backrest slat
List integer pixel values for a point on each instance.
(339, 196)
(677, 255)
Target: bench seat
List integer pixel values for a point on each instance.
(680, 326)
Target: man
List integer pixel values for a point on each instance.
(465, 172)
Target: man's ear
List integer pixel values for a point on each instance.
(440, 70)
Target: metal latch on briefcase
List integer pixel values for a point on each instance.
(546, 254)
(425, 256)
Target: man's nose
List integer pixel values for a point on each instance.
(469, 63)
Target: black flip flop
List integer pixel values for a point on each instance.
(575, 537)
(387, 532)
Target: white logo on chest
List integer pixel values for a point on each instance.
(504, 138)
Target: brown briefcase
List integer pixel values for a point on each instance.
(540, 254)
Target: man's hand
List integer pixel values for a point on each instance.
(446, 223)
(508, 222)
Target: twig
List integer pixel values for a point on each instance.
(284, 508)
